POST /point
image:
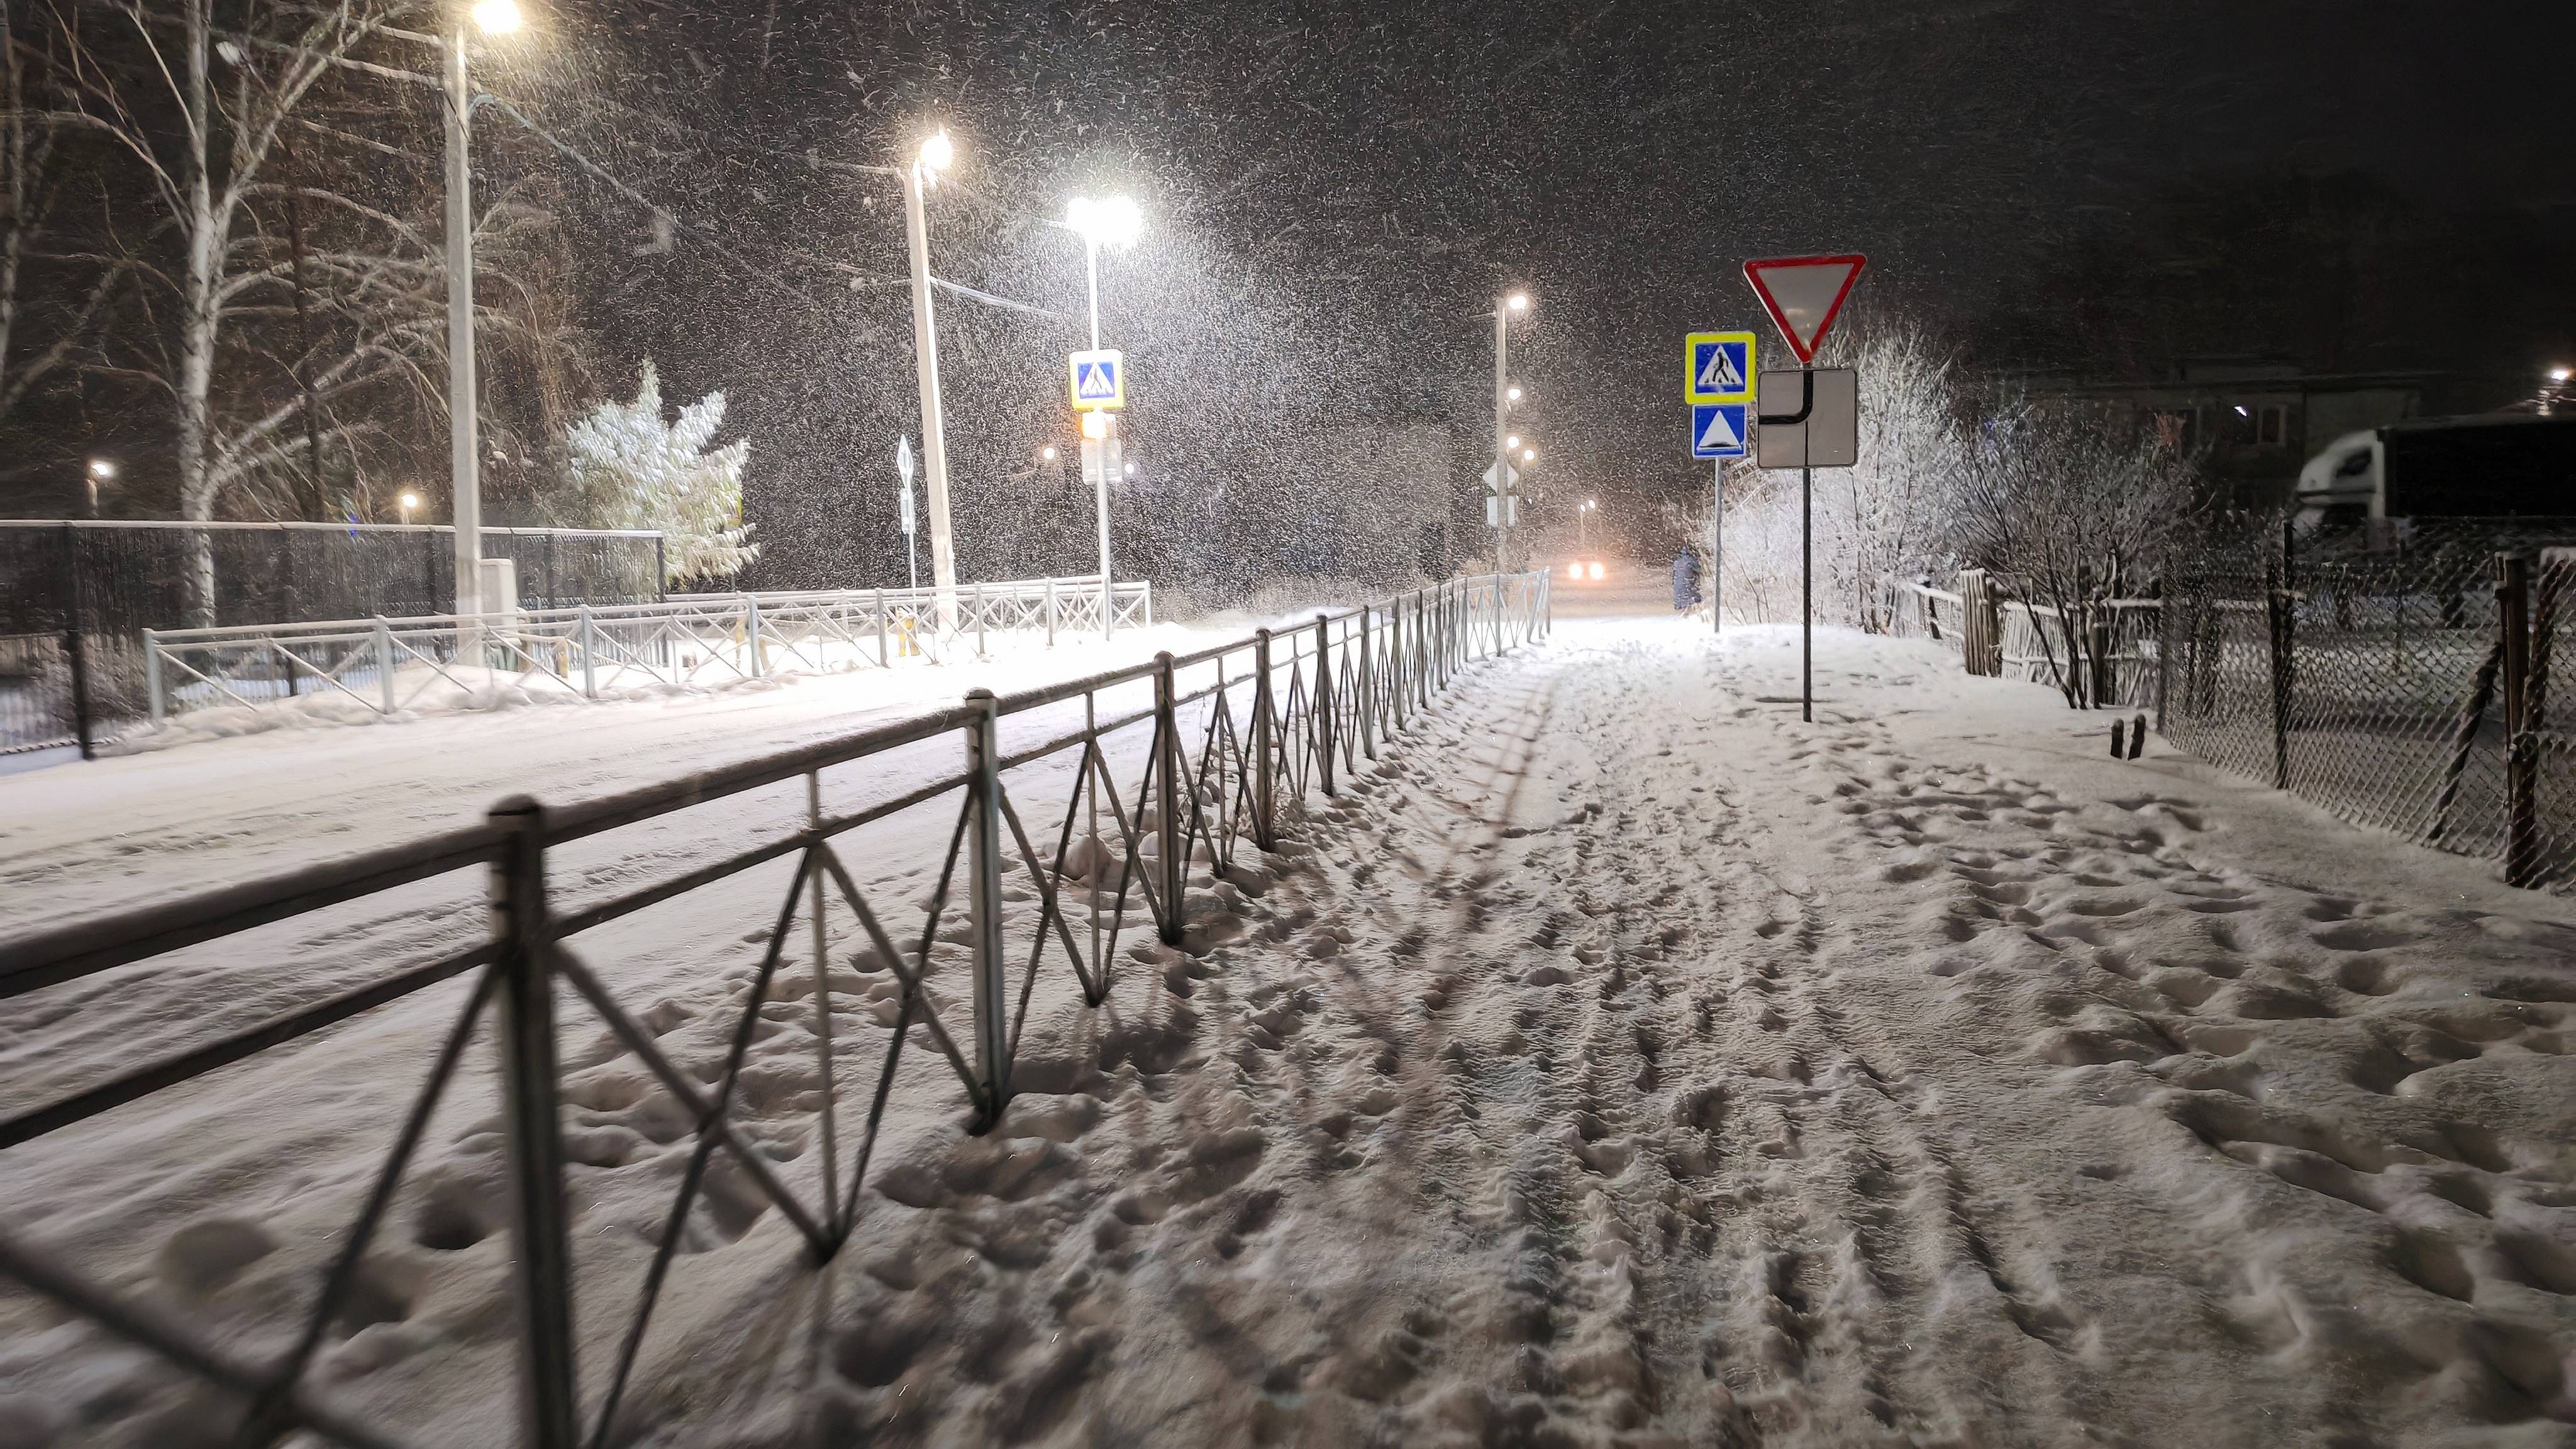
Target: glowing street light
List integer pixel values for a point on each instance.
(496, 17)
(1047, 452)
(1513, 441)
(1512, 395)
(1582, 525)
(407, 503)
(1529, 455)
(1517, 301)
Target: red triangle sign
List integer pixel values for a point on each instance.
(1804, 295)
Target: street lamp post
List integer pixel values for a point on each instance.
(492, 17)
(1503, 309)
(935, 155)
(1112, 221)
(1583, 526)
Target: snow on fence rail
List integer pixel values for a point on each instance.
(386, 666)
(1235, 738)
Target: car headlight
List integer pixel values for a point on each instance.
(1596, 571)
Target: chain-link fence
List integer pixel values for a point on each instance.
(2371, 669)
(2396, 674)
(75, 598)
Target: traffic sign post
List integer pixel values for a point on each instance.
(1502, 500)
(1720, 372)
(1804, 295)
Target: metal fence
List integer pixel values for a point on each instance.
(75, 597)
(389, 666)
(1236, 738)
(2397, 676)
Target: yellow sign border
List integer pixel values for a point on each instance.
(1073, 378)
(1690, 378)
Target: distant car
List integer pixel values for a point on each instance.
(1583, 569)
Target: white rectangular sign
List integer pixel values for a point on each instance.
(1827, 437)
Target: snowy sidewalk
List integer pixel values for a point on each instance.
(1625, 1063)
(1636, 1064)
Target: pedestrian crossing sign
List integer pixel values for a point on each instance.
(1099, 380)
(1717, 430)
(1718, 367)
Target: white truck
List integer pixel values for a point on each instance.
(2497, 465)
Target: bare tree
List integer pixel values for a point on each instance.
(209, 144)
(38, 336)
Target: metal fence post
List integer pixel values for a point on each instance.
(751, 632)
(2521, 757)
(984, 905)
(589, 653)
(1324, 701)
(1264, 822)
(980, 651)
(881, 629)
(1146, 602)
(541, 1270)
(1171, 840)
(1368, 686)
(1050, 586)
(159, 701)
(2283, 624)
(385, 664)
(75, 648)
(1421, 650)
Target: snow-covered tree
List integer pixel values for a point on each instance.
(633, 469)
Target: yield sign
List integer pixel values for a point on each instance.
(1804, 295)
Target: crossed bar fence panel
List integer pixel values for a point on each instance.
(390, 665)
(1260, 737)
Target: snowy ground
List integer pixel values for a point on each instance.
(1626, 1063)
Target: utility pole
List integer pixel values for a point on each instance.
(463, 481)
(1502, 464)
(1115, 221)
(935, 155)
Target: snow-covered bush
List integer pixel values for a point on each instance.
(633, 469)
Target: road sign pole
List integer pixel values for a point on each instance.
(1717, 548)
(1807, 593)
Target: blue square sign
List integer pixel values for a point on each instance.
(1721, 369)
(1717, 430)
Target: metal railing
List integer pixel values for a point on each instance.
(385, 666)
(1236, 738)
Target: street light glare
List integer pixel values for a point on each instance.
(1110, 221)
(101, 468)
(1514, 394)
(496, 17)
(1529, 455)
(1517, 301)
(937, 152)
(2560, 374)
(411, 500)
(1048, 453)
(1513, 441)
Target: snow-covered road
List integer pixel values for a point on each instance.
(1625, 1063)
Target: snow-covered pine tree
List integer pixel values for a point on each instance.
(634, 470)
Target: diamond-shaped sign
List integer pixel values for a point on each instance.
(1804, 295)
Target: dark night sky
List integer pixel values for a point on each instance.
(1335, 194)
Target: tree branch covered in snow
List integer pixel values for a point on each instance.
(633, 469)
